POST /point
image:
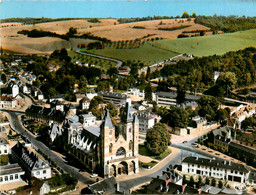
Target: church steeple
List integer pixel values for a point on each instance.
(107, 120)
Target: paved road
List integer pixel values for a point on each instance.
(118, 62)
(15, 123)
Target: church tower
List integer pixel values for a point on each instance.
(107, 140)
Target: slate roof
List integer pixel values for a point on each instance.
(94, 130)
(107, 121)
(215, 163)
(10, 169)
(112, 94)
(173, 95)
(106, 185)
(210, 189)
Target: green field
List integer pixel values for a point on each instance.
(145, 54)
(104, 64)
(210, 45)
(167, 48)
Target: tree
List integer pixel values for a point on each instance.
(112, 109)
(157, 139)
(185, 15)
(228, 80)
(181, 95)
(220, 184)
(208, 106)
(221, 115)
(148, 92)
(191, 181)
(193, 15)
(176, 117)
(112, 71)
(213, 182)
(207, 181)
(103, 86)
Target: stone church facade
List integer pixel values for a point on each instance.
(104, 148)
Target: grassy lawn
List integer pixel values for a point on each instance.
(145, 54)
(210, 45)
(147, 165)
(143, 151)
(104, 64)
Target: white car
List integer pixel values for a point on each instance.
(94, 175)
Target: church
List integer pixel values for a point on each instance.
(102, 147)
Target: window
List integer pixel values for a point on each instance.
(16, 176)
(120, 152)
(44, 171)
(6, 178)
(231, 171)
(110, 133)
(1, 179)
(130, 145)
(130, 130)
(5, 151)
(235, 172)
(38, 173)
(193, 165)
(11, 177)
(110, 148)
(241, 173)
(198, 166)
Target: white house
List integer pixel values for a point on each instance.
(85, 103)
(15, 90)
(220, 169)
(31, 161)
(87, 119)
(10, 173)
(7, 102)
(4, 147)
(147, 121)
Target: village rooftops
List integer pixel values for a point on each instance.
(106, 186)
(215, 163)
(112, 94)
(10, 169)
(173, 95)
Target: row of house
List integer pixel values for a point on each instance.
(224, 139)
(219, 169)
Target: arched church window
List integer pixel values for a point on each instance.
(130, 130)
(110, 148)
(130, 145)
(120, 152)
(110, 132)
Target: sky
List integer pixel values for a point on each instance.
(123, 8)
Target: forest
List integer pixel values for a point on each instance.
(236, 69)
(227, 24)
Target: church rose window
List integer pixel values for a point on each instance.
(120, 152)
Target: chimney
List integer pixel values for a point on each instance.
(225, 162)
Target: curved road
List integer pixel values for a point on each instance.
(15, 124)
(118, 62)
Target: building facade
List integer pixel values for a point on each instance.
(102, 148)
(10, 173)
(220, 169)
(115, 98)
(31, 162)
